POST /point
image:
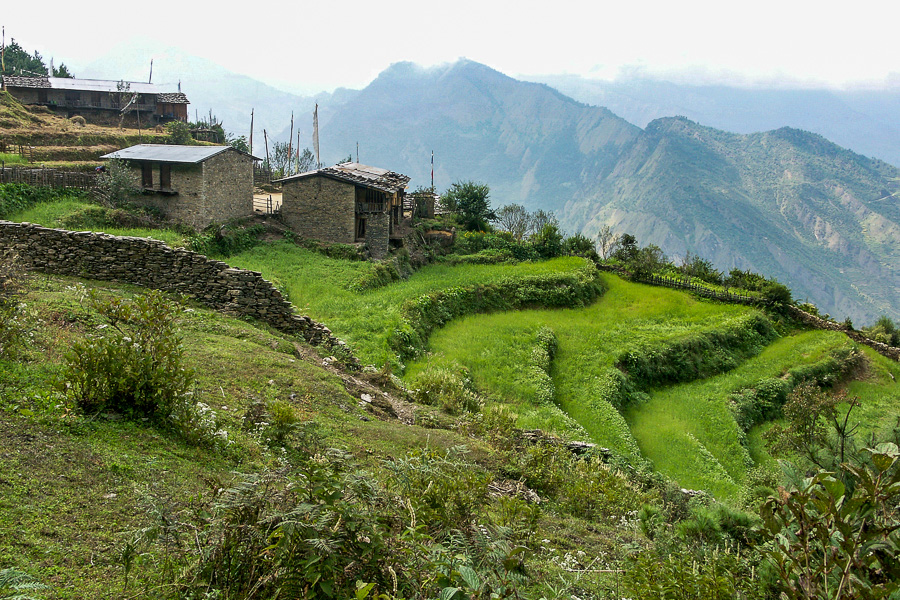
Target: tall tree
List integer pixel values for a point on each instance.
(17, 61)
(471, 203)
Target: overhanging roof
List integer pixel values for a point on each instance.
(93, 85)
(169, 153)
(364, 175)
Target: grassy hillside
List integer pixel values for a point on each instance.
(279, 473)
(59, 141)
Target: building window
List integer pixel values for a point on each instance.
(360, 228)
(165, 176)
(146, 175)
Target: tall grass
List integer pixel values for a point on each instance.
(590, 341)
(323, 288)
(689, 431)
(53, 214)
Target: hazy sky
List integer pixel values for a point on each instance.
(321, 45)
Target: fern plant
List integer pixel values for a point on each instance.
(16, 585)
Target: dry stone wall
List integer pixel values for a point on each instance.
(150, 263)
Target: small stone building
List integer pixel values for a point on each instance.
(348, 203)
(195, 185)
(81, 96)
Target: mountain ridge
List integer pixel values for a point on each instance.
(784, 202)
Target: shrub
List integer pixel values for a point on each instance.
(445, 491)
(836, 534)
(596, 490)
(449, 389)
(179, 133)
(115, 188)
(223, 241)
(133, 364)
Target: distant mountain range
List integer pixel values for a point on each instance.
(866, 121)
(787, 203)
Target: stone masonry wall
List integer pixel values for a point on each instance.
(187, 205)
(216, 190)
(150, 263)
(227, 188)
(378, 231)
(320, 208)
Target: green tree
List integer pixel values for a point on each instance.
(548, 241)
(18, 62)
(471, 203)
(62, 71)
(240, 144)
(514, 219)
(179, 133)
(115, 187)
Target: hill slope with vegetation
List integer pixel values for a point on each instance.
(153, 448)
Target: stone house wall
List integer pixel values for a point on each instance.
(324, 209)
(227, 188)
(320, 208)
(378, 231)
(213, 191)
(152, 264)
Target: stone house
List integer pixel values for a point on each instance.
(195, 185)
(348, 203)
(81, 96)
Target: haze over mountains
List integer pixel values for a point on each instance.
(787, 203)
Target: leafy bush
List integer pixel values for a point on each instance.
(312, 535)
(445, 491)
(115, 187)
(718, 575)
(476, 242)
(884, 330)
(700, 355)
(837, 535)
(179, 133)
(222, 241)
(424, 314)
(451, 390)
(596, 491)
(133, 363)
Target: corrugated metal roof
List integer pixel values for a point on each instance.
(168, 153)
(373, 177)
(86, 85)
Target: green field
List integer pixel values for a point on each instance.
(323, 288)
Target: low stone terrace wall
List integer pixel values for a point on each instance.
(150, 263)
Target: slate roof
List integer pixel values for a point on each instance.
(164, 153)
(173, 98)
(27, 82)
(373, 177)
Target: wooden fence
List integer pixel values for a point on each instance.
(261, 175)
(701, 290)
(48, 177)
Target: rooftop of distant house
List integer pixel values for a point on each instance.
(351, 172)
(169, 153)
(164, 93)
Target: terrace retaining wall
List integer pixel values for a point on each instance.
(151, 263)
